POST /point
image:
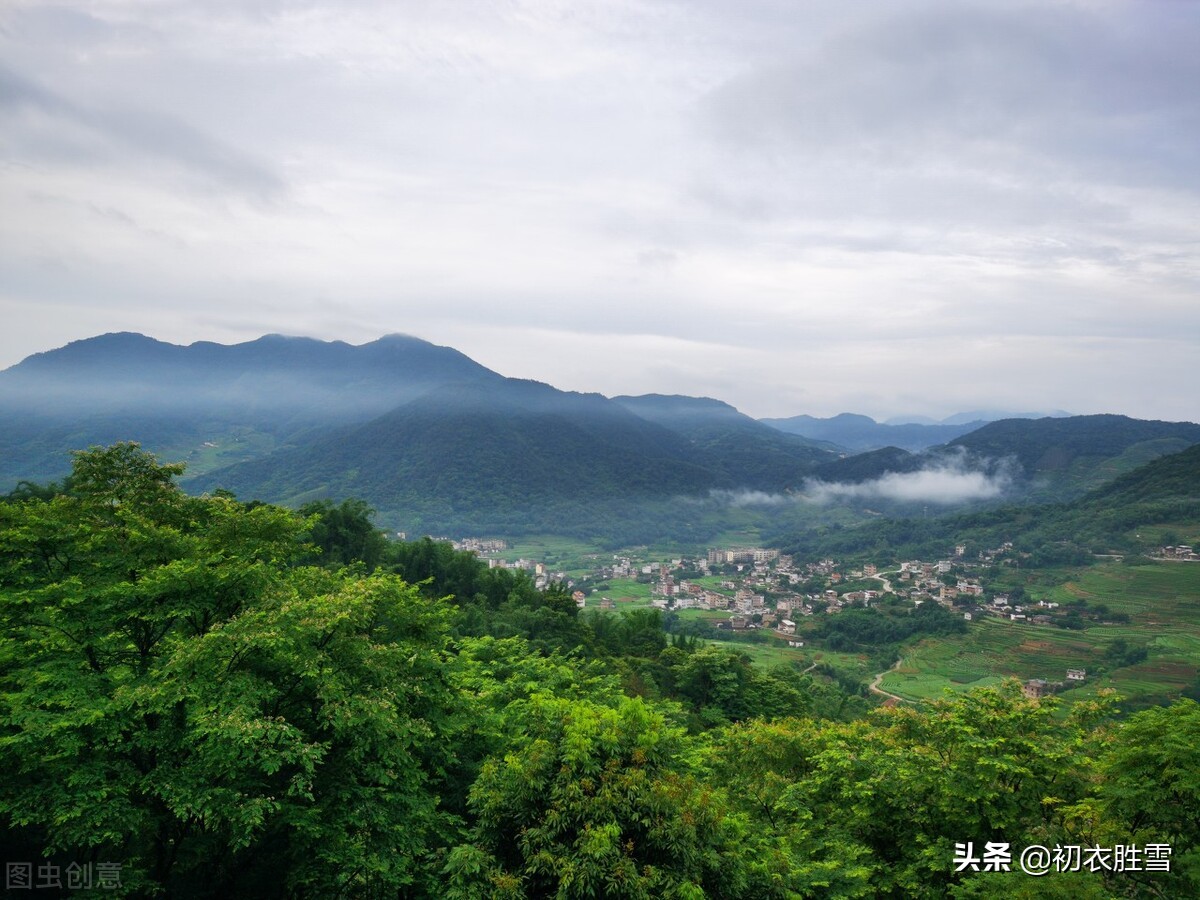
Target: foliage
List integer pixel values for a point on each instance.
(343, 533)
(857, 628)
(180, 692)
(598, 806)
(177, 697)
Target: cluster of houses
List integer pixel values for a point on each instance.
(762, 572)
(1179, 551)
(762, 593)
(481, 545)
(756, 555)
(542, 576)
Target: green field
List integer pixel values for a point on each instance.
(228, 447)
(560, 554)
(855, 665)
(713, 583)
(1163, 601)
(710, 615)
(626, 593)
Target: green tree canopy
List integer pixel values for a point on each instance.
(177, 698)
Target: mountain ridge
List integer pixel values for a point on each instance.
(426, 432)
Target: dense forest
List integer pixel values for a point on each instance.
(228, 698)
(1102, 521)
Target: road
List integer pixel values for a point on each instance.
(876, 689)
(875, 682)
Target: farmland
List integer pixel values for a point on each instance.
(1161, 599)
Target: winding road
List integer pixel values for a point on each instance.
(876, 689)
(875, 682)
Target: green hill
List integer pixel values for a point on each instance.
(1114, 518)
(750, 454)
(206, 403)
(508, 456)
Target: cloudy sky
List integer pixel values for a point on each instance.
(917, 207)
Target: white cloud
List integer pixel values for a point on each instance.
(751, 498)
(946, 484)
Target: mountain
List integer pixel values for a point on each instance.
(423, 433)
(207, 403)
(748, 452)
(1128, 514)
(994, 415)
(436, 441)
(273, 375)
(1066, 457)
(1176, 476)
(490, 455)
(870, 465)
(855, 432)
(1012, 461)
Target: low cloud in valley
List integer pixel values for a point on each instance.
(945, 484)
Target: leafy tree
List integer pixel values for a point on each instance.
(344, 534)
(176, 696)
(1149, 793)
(590, 801)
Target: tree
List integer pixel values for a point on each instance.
(344, 533)
(1149, 793)
(591, 801)
(177, 696)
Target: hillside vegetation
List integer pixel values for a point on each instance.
(226, 698)
(440, 444)
(1108, 519)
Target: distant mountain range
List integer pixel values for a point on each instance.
(209, 404)
(1036, 459)
(1136, 512)
(437, 442)
(855, 432)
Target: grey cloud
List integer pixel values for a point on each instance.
(872, 206)
(109, 134)
(963, 118)
(993, 86)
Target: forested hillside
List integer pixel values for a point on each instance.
(224, 698)
(210, 404)
(1105, 520)
(437, 443)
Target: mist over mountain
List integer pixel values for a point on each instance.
(858, 432)
(273, 376)
(436, 441)
(1064, 458)
(995, 415)
(242, 399)
(1033, 459)
(1107, 519)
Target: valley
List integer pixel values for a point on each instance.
(1132, 626)
(456, 610)
(1038, 528)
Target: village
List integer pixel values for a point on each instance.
(763, 588)
(783, 608)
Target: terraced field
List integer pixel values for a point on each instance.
(1162, 600)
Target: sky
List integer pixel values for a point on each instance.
(879, 207)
